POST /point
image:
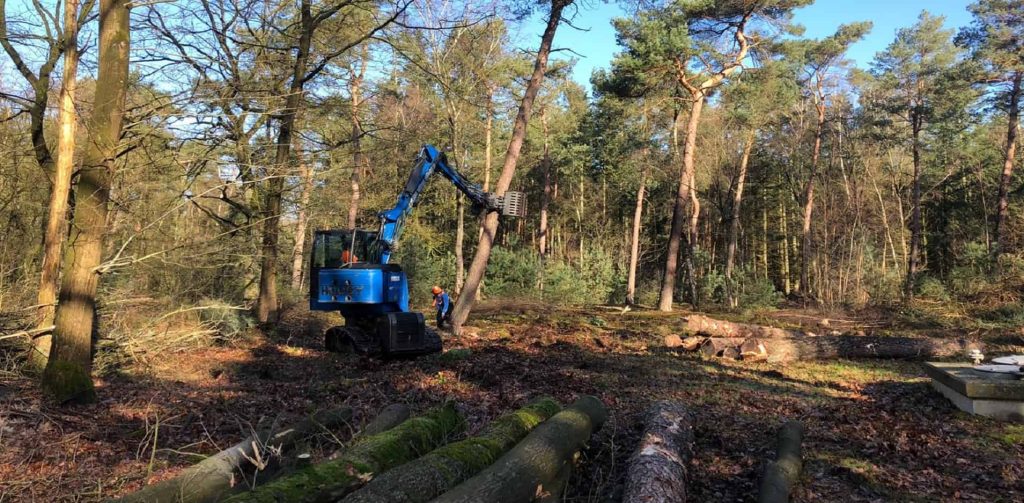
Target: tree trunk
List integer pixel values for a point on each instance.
(460, 236)
(430, 476)
(536, 462)
(734, 221)
(483, 251)
(56, 220)
(783, 473)
(1009, 157)
(218, 476)
(634, 244)
(332, 480)
(805, 229)
(717, 346)
(67, 376)
(668, 283)
(542, 245)
(358, 163)
(657, 470)
(267, 307)
(784, 249)
(302, 219)
(828, 347)
(915, 212)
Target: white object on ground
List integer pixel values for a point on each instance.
(1000, 369)
(1009, 360)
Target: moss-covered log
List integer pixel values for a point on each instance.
(426, 478)
(220, 475)
(332, 480)
(657, 469)
(533, 466)
(782, 474)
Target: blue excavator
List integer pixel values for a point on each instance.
(351, 270)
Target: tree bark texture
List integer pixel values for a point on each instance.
(56, 220)
(430, 476)
(657, 469)
(358, 161)
(490, 226)
(783, 473)
(535, 463)
(230, 470)
(67, 376)
(332, 480)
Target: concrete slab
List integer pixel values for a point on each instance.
(999, 396)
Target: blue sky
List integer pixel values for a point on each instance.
(597, 45)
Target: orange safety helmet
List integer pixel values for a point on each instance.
(436, 290)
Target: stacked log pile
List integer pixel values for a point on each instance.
(742, 341)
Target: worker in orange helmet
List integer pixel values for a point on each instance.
(443, 304)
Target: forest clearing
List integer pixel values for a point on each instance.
(876, 431)
(511, 252)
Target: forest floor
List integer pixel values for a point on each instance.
(876, 431)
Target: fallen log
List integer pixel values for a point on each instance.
(781, 474)
(552, 491)
(332, 480)
(852, 346)
(716, 346)
(673, 341)
(536, 462)
(702, 325)
(657, 469)
(430, 476)
(229, 470)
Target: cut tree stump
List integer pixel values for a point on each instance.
(331, 480)
(753, 350)
(430, 476)
(533, 466)
(230, 470)
(657, 469)
(852, 346)
(716, 346)
(781, 474)
(702, 325)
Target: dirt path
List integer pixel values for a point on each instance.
(876, 431)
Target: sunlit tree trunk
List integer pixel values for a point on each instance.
(56, 220)
(358, 161)
(546, 195)
(805, 228)
(67, 376)
(634, 242)
(483, 252)
(302, 219)
(1009, 158)
(668, 283)
(734, 221)
(915, 211)
(784, 249)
